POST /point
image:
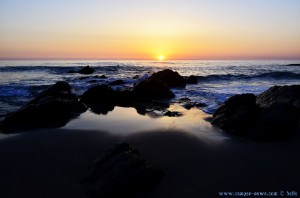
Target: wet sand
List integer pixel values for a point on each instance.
(52, 162)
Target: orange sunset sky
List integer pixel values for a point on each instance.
(136, 29)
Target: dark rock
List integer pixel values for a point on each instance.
(188, 104)
(86, 70)
(102, 76)
(199, 104)
(192, 80)
(117, 82)
(273, 115)
(136, 77)
(173, 114)
(144, 108)
(170, 78)
(295, 64)
(182, 100)
(150, 89)
(237, 114)
(100, 99)
(98, 93)
(280, 94)
(276, 122)
(123, 172)
(52, 108)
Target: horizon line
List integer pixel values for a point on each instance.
(127, 59)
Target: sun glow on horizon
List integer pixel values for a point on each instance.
(161, 58)
(146, 30)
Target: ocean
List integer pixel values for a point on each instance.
(21, 81)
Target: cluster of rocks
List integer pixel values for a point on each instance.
(55, 106)
(122, 172)
(272, 115)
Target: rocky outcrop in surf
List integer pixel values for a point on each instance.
(170, 78)
(272, 115)
(52, 108)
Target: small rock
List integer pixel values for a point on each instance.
(173, 114)
(86, 70)
(136, 77)
(182, 100)
(102, 76)
(192, 80)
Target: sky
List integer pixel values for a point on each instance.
(140, 29)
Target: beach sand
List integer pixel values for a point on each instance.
(52, 162)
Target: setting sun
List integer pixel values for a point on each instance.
(161, 57)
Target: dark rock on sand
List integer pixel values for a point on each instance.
(100, 99)
(148, 108)
(150, 89)
(173, 114)
(123, 172)
(192, 80)
(170, 78)
(273, 115)
(237, 114)
(276, 122)
(188, 104)
(52, 108)
(86, 70)
(136, 77)
(280, 94)
(117, 82)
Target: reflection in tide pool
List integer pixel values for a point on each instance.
(125, 121)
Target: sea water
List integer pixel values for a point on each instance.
(21, 81)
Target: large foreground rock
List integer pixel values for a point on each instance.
(170, 78)
(123, 172)
(273, 115)
(52, 108)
